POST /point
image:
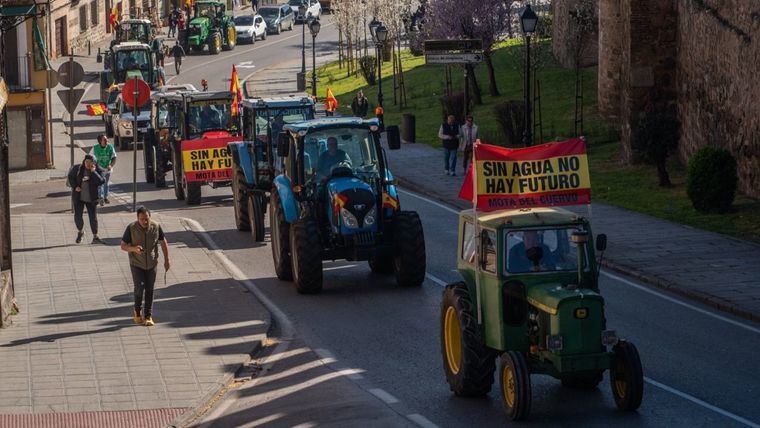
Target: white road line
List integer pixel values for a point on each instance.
(326, 356)
(680, 303)
(430, 201)
(435, 279)
(383, 396)
(18, 205)
(339, 267)
(421, 420)
(704, 404)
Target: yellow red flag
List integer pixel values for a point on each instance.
(331, 103)
(96, 109)
(235, 89)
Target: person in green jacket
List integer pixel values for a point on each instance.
(105, 156)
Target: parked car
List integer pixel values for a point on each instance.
(278, 18)
(250, 28)
(313, 9)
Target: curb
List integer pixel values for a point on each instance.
(668, 286)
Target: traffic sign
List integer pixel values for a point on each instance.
(453, 58)
(70, 98)
(70, 74)
(52, 79)
(453, 45)
(128, 92)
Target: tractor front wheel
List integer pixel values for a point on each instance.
(215, 44)
(468, 363)
(231, 39)
(192, 192)
(515, 385)
(306, 256)
(149, 165)
(409, 262)
(239, 198)
(179, 190)
(278, 227)
(626, 376)
(256, 204)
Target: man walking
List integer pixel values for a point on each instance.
(141, 240)
(360, 105)
(105, 157)
(449, 135)
(468, 134)
(84, 180)
(173, 22)
(177, 52)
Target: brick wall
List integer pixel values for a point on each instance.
(718, 84)
(562, 35)
(610, 58)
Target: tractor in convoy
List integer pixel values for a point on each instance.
(210, 26)
(127, 60)
(134, 30)
(335, 198)
(188, 137)
(254, 161)
(530, 295)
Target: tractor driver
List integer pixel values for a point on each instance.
(331, 157)
(530, 255)
(210, 118)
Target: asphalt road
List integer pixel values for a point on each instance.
(700, 365)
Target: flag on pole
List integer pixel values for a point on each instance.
(96, 109)
(113, 18)
(235, 89)
(331, 103)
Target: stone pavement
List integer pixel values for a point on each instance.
(718, 270)
(73, 346)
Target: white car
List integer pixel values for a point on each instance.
(313, 9)
(250, 27)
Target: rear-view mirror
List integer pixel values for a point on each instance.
(394, 137)
(601, 242)
(283, 143)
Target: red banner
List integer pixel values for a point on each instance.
(551, 174)
(207, 159)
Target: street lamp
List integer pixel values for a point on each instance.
(302, 13)
(380, 35)
(373, 26)
(314, 27)
(528, 20)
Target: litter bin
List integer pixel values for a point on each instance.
(301, 81)
(408, 123)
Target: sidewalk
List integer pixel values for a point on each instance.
(715, 269)
(73, 347)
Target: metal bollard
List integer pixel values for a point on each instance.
(89, 49)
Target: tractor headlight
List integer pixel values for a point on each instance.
(125, 124)
(349, 219)
(369, 219)
(554, 342)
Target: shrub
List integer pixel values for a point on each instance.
(453, 104)
(368, 66)
(511, 118)
(711, 181)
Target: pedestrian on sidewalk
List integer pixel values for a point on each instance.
(141, 240)
(181, 21)
(360, 105)
(255, 5)
(468, 134)
(173, 22)
(105, 157)
(84, 180)
(177, 52)
(449, 135)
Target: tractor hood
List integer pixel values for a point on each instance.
(200, 21)
(549, 297)
(351, 205)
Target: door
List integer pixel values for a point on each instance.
(61, 42)
(36, 137)
(17, 139)
(107, 19)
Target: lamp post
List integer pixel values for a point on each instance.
(302, 13)
(528, 20)
(314, 27)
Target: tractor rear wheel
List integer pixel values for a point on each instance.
(381, 263)
(278, 227)
(231, 39)
(468, 363)
(626, 376)
(239, 198)
(515, 385)
(192, 192)
(179, 190)
(409, 261)
(158, 170)
(585, 381)
(306, 256)
(256, 204)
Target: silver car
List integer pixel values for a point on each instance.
(278, 18)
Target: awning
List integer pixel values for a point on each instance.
(27, 10)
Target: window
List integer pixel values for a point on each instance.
(94, 13)
(83, 18)
(489, 251)
(547, 250)
(469, 243)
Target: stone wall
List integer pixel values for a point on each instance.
(718, 83)
(610, 58)
(562, 35)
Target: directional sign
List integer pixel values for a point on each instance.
(70, 98)
(70, 74)
(454, 45)
(128, 92)
(453, 58)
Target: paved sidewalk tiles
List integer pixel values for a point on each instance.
(73, 347)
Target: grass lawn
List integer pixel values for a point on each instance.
(631, 187)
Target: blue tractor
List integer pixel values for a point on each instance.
(336, 199)
(254, 161)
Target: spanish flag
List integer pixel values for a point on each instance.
(96, 109)
(235, 89)
(331, 103)
(113, 19)
(389, 201)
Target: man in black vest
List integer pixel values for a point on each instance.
(449, 135)
(141, 241)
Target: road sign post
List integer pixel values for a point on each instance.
(467, 52)
(135, 94)
(70, 74)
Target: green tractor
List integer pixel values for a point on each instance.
(127, 60)
(530, 294)
(211, 26)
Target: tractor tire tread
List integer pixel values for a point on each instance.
(306, 256)
(409, 240)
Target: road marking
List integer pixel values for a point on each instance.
(383, 396)
(430, 201)
(339, 267)
(421, 420)
(678, 302)
(704, 404)
(245, 64)
(435, 279)
(325, 356)
(18, 205)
